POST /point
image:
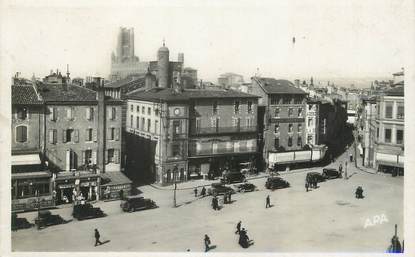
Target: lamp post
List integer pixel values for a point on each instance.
(175, 185)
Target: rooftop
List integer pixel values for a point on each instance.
(169, 94)
(396, 91)
(278, 86)
(25, 94)
(65, 92)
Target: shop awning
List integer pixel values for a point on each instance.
(115, 178)
(26, 159)
(28, 175)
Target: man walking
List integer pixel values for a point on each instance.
(207, 243)
(268, 204)
(203, 192)
(97, 236)
(306, 186)
(238, 228)
(195, 191)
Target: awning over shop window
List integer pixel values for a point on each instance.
(30, 175)
(26, 159)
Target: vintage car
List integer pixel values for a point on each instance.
(46, 218)
(20, 223)
(219, 189)
(232, 177)
(245, 187)
(87, 211)
(314, 176)
(135, 203)
(276, 183)
(331, 173)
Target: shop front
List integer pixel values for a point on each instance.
(31, 190)
(174, 172)
(115, 185)
(70, 187)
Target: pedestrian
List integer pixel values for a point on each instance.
(268, 202)
(97, 236)
(351, 157)
(306, 186)
(121, 194)
(195, 191)
(225, 198)
(207, 243)
(203, 192)
(238, 228)
(340, 168)
(229, 197)
(213, 203)
(216, 204)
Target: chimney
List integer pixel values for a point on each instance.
(100, 96)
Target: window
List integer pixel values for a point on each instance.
(377, 133)
(277, 112)
(197, 124)
(299, 141)
(310, 122)
(300, 112)
(114, 113)
(176, 150)
(89, 134)
(286, 100)
(21, 134)
(22, 113)
(290, 141)
(112, 134)
(156, 126)
(388, 110)
(138, 108)
(388, 135)
(111, 155)
(215, 107)
(149, 111)
(276, 142)
(148, 125)
(89, 113)
(277, 128)
(87, 158)
(52, 113)
(137, 122)
(237, 122)
(290, 127)
(249, 122)
(143, 123)
(52, 136)
(401, 112)
(249, 107)
(399, 136)
(290, 112)
(176, 127)
(236, 107)
(131, 121)
(143, 110)
(275, 100)
(156, 111)
(298, 100)
(70, 113)
(300, 127)
(68, 135)
(132, 107)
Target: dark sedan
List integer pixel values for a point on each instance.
(315, 177)
(134, 203)
(276, 183)
(46, 218)
(245, 187)
(331, 173)
(219, 189)
(87, 211)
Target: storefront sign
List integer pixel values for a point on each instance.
(87, 184)
(66, 186)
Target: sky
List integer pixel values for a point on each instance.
(351, 38)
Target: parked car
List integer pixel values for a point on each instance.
(331, 173)
(219, 189)
(311, 176)
(276, 183)
(46, 218)
(245, 187)
(233, 177)
(20, 223)
(87, 211)
(135, 203)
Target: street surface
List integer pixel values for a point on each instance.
(327, 219)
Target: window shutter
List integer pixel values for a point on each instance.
(50, 113)
(116, 156)
(55, 139)
(88, 113)
(83, 158)
(28, 113)
(64, 136)
(54, 113)
(117, 134)
(76, 135)
(18, 134)
(94, 157)
(92, 111)
(51, 136)
(94, 132)
(24, 129)
(68, 113)
(106, 156)
(87, 135)
(109, 134)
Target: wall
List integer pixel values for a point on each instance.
(35, 130)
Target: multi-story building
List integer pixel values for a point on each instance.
(230, 79)
(31, 185)
(174, 134)
(312, 122)
(283, 110)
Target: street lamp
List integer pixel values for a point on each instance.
(175, 185)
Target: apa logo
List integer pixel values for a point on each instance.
(376, 220)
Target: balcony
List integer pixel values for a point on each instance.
(223, 130)
(211, 151)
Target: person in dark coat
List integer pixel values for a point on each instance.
(97, 236)
(207, 243)
(238, 227)
(395, 246)
(225, 198)
(243, 238)
(306, 186)
(195, 191)
(203, 192)
(359, 192)
(213, 203)
(268, 202)
(229, 197)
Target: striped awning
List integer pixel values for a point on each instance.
(26, 159)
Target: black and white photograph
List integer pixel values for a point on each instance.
(206, 127)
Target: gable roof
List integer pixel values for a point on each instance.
(72, 93)
(278, 86)
(25, 94)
